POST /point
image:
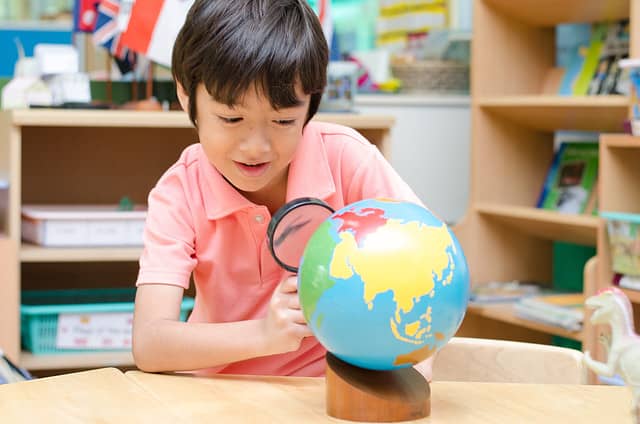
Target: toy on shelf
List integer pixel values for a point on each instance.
(611, 306)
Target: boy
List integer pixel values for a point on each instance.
(250, 74)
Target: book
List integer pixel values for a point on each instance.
(614, 48)
(564, 310)
(502, 291)
(571, 178)
(599, 72)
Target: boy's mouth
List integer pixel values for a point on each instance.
(252, 169)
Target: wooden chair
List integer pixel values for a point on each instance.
(471, 359)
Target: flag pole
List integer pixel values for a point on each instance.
(108, 87)
(149, 93)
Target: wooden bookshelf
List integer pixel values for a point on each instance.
(515, 111)
(550, 225)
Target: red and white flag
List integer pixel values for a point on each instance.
(153, 27)
(324, 14)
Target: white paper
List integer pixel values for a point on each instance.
(94, 331)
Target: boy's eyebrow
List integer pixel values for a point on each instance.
(298, 104)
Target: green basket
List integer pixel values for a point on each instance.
(39, 312)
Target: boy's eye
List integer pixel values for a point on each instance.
(285, 122)
(230, 120)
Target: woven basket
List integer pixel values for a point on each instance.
(432, 76)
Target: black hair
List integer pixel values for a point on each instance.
(233, 45)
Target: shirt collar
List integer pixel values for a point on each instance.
(309, 176)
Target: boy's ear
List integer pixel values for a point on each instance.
(183, 98)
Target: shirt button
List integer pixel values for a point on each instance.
(259, 219)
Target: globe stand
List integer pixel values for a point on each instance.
(358, 394)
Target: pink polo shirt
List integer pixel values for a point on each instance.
(198, 223)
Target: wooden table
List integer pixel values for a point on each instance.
(99, 396)
(108, 396)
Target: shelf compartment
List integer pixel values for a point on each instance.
(76, 360)
(551, 12)
(580, 229)
(550, 113)
(33, 253)
(505, 313)
(619, 159)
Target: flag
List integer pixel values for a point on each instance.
(108, 34)
(324, 15)
(84, 15)
(154, 26)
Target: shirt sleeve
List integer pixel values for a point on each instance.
(168, 256)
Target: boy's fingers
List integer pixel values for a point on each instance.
(289, 285)
(298, 318)
(294, 302)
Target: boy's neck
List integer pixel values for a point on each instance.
(273, 196)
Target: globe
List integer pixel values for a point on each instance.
(383, 284)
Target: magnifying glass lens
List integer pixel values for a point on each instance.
(291, 228)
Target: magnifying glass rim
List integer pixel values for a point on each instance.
(281, 213)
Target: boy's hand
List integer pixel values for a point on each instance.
(285, 326)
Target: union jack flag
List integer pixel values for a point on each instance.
(107, 34)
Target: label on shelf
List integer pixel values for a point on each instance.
(94, 331)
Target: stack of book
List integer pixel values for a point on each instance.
(502, 291)
(561, 310)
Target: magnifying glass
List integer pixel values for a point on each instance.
(292, 226)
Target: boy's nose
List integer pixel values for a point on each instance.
(255, 144)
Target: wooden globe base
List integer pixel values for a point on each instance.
(357, 394)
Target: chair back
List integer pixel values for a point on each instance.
(471, 359)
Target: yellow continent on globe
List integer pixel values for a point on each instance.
(397, 252)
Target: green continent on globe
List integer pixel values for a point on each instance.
(388, 256)
(321, 254)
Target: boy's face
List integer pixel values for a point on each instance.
(250, 144)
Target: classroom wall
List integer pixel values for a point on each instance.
(430, 146)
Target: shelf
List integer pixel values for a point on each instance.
(580, 229)
(505, 313)
(623, 141)
(551, 113)
(174, 119)
(552, 12)
(60, 361)
(633, 295)
(33, 253)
